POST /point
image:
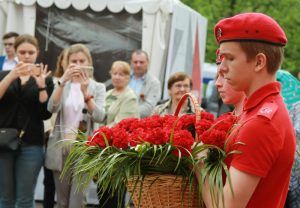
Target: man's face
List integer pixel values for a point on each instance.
(139, 64)
(9, 46)
(237, 70)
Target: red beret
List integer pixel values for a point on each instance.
(218, 57)
(250, 26)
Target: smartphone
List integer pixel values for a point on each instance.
(88, 68)
(36, 70)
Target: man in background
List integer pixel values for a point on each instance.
(9, 61)
(146, 87)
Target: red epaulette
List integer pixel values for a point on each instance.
(268, 110)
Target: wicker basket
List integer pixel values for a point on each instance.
(167, 191)
(163, 191)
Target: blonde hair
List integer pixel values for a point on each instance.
(59, 71)
(125, 67)
(26, 38)
(76, 48)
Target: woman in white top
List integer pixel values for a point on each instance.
(78, 101)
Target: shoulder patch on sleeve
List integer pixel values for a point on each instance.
(268, 110)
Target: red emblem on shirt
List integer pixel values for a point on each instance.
(142, 96)
(268, 110)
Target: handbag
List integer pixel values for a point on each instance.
(10, 138)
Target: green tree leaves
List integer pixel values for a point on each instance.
(286, 13)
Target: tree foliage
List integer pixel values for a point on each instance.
(286, 13)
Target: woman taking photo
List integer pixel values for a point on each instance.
(24, 93)
(78, 101)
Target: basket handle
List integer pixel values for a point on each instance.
(195, 103)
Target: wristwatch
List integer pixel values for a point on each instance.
(60, 83)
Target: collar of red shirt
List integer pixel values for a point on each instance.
(259, 95)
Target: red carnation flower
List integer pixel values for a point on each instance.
(183, 140)
(214, 137)
(98, 137)
(207, 116)
(202, 126)
(128, 124)
(120, 138)
(187, 120)
(217, 134)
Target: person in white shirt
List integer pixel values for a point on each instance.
(79, 103)
(9, 61)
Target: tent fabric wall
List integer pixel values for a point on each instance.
(16, 17)
(109, 36)
(156, 21)
(3, 14)
(20, 18)
(158, 27)
(155, 41)
(186, 24)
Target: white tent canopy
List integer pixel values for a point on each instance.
(131, 6)
(165, 22)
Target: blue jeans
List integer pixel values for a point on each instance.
(18, 176)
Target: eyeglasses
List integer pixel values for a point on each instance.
(179, 86)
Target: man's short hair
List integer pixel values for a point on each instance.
(10, 35)
(139, 51)
(273, 53)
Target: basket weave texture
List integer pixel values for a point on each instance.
(166, 190)
(163, 191)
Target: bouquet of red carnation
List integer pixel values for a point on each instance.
(134, 148)
(215, 140)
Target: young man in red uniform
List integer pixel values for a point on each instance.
(251, 48)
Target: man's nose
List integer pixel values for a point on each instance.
(223, 67)
(217, 83)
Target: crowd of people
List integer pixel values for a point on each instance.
(54, 108)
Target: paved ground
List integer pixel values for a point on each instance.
(40, 205)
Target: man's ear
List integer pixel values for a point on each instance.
(261, 62)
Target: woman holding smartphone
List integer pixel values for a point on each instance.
(78, 101)
(23, 106)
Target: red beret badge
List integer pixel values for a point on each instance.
(219, 33)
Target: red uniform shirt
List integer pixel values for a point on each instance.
(269, 146)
